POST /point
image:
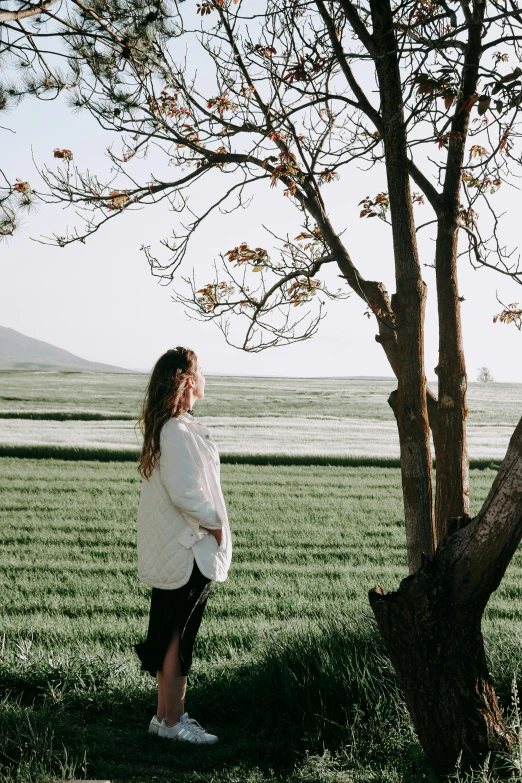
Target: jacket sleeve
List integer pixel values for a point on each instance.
(182, 479)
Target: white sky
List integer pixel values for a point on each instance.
(100, 302)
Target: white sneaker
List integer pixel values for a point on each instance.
(187, 730)
(154, 725)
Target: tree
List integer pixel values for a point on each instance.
(485, 375)
(288, 95)
(32, 55)
(37, 59)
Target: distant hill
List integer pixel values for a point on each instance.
(19, 352)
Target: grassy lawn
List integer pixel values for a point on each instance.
(289, 670)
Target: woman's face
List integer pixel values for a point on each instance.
(198, 390)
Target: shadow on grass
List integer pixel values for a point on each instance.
(320, 691)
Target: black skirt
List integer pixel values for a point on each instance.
(170, 609)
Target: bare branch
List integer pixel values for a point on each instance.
(34, 10)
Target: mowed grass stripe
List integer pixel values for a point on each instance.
(116, 453)
(67, 416)
(128, 454)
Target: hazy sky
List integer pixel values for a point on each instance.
(100, 301)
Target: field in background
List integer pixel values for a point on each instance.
(247, 415)
(286, 663)
(489, 404)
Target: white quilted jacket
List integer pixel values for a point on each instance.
(183, 496)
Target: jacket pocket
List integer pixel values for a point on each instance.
(187, 538)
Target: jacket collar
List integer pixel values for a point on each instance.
(188, 418)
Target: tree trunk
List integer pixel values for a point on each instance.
(432, 628)
(408, 303)
(449, 439)
(438, 654)
(452, 491)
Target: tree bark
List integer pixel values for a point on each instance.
(15, 16)
(449, 438)
(432, 628)
(452, 491)
(408, 304)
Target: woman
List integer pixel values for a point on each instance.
(184, 541)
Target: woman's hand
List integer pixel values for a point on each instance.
(216, 533)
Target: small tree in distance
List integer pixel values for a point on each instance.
(485, 375)
(288, 95)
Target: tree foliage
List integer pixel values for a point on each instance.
(485, 375)
(283, 96)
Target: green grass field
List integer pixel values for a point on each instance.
(289, 669)
(270, 416)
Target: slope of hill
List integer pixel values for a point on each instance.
(20, 352)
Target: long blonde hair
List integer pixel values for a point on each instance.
(164, 399)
